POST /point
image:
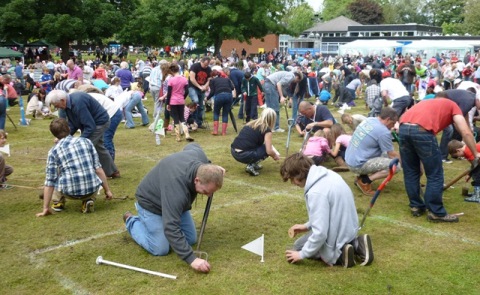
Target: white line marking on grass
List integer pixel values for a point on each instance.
(291, 193)
(75, 242)
(70, 285)
(429, 231)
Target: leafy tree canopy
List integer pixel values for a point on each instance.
(366, 12)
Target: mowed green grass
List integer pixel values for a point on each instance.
(57, 254)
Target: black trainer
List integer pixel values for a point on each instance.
(364, 250)
(251, 170)
(346, 259)
(417, 212)
(257, 166)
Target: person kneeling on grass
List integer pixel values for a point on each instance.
(459, 149)
(164, 201)
(254, 142)
(73, 171)
(332, 224)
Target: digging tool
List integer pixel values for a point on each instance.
(199, 253)
(305, 139)
(473, 168)
(392, 168)
(290, 125)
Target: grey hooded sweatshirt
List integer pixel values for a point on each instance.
(332, 216)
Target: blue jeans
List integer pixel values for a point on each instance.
(296, 100)
(110, 133)
(197, 96)
(3, 112)
(251, 156)
(418, 145)
(223, 101)
(147, 230)
(446, 137)
(135, 101)
(251, 112)
(272, 99)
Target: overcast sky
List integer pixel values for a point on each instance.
(315, 4)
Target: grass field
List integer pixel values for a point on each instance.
(56, 254)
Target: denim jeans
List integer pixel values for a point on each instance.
(251, 112)
(197, 96)
(446, 137)
(418, 145)
(252, 156)
(110, 133)
(135, 101)
(272, 99)
(3, 111)
(296, 100)
(223, 101)
(147, 230)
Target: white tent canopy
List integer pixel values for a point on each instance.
(369, 47)
(429, 48)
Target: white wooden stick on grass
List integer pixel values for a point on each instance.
(100, 260)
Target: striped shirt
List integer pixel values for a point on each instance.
(71, 166)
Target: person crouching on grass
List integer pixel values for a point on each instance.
(254, 142)
(459, 149)
(73, 171)
(332, 224)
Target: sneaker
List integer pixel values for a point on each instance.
(252, 170)
(115, 174)
(447, 161)
(257, 166)
(126, 216)
(447, 218)
(5, 187)
(364, 250)
(88, 206)
(278, 130)
(58, 207)
(417, 212)
(474, 198)
(366, 188)
(346, 259)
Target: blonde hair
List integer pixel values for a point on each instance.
(124, 65)
(209, 173)
(319, 133)
(267, 120)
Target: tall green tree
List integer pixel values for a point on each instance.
(207, 22)
(472, 17)
(446, 11)
(366, 12)
(298, 19)
(60, 21)
(334, 8)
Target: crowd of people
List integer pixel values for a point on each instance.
(95, 97)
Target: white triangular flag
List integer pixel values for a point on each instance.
(255, 246)
(5, 149)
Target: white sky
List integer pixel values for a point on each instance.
(315, 4)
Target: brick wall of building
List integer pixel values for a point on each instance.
(268, 44)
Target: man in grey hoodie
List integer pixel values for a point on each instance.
(332, 224)
(164, 199)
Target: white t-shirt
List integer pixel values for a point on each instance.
(394, 88)
(106, 103)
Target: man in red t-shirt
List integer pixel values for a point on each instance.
(458, 149)
(418, 144)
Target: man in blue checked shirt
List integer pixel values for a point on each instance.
(73, 171)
